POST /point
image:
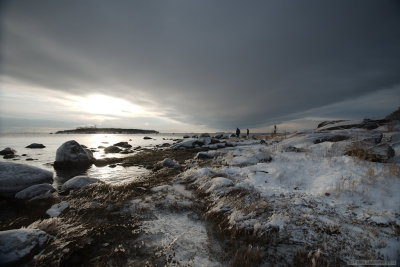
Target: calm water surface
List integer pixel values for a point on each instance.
(43, 158)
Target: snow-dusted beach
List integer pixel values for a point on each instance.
(323, 196)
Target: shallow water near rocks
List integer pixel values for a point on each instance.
(43, 158)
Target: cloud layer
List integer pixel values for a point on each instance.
(216, 63)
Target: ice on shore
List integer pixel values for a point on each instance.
(315, 196)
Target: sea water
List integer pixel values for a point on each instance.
(44, 158)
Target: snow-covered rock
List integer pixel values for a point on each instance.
(57, 209)
(218, 136)
(219, 182)
(112, 149)
(16, 177)
(16, 245)
(71, 154)
(78, 182)
(35, 191)
(35, 145)
(7, 151)
(188, 144)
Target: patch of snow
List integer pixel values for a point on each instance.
(56, 209)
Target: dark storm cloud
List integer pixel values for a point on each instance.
(219, 63)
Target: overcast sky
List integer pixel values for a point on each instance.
(189, 65)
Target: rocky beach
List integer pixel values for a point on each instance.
(323, 196)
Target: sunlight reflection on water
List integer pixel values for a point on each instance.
(43, 158)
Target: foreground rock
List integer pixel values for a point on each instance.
(78, 182)
(72, 154)
(16, 177)
(19, 245)
(35, 145)
(8, 151)
(35, 192)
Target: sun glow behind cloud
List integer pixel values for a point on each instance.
(108, 106)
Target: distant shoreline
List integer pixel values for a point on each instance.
(106, 131)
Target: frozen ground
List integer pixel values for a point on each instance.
(173, 231)
(318, 202)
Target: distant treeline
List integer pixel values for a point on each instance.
(92, 130)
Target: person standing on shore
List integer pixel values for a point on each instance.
(237, 132)
(248, 133)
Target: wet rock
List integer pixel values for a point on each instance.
(186, 136)
(17, 246)
(205, 155)
(35, 192)
(294, 149)
(35, 145)
(147, 138)
(126, 151)
(72, 154)
(78, 182)
(233, 135)
(15, 177)
(169, 163)
(324, 123)
(112, 165)
(123, 144)
(195, 136)
(112, 149)
(9, 156)
(8, 151)
(203, 135)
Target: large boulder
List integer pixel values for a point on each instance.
(35, 192)
(72, 154)
(123, 144)
(8, 151)
(20, 245)
(203, 135)
(78, 182)
(35, 145)
(378, 153)
(112, 149)
(15, 177)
